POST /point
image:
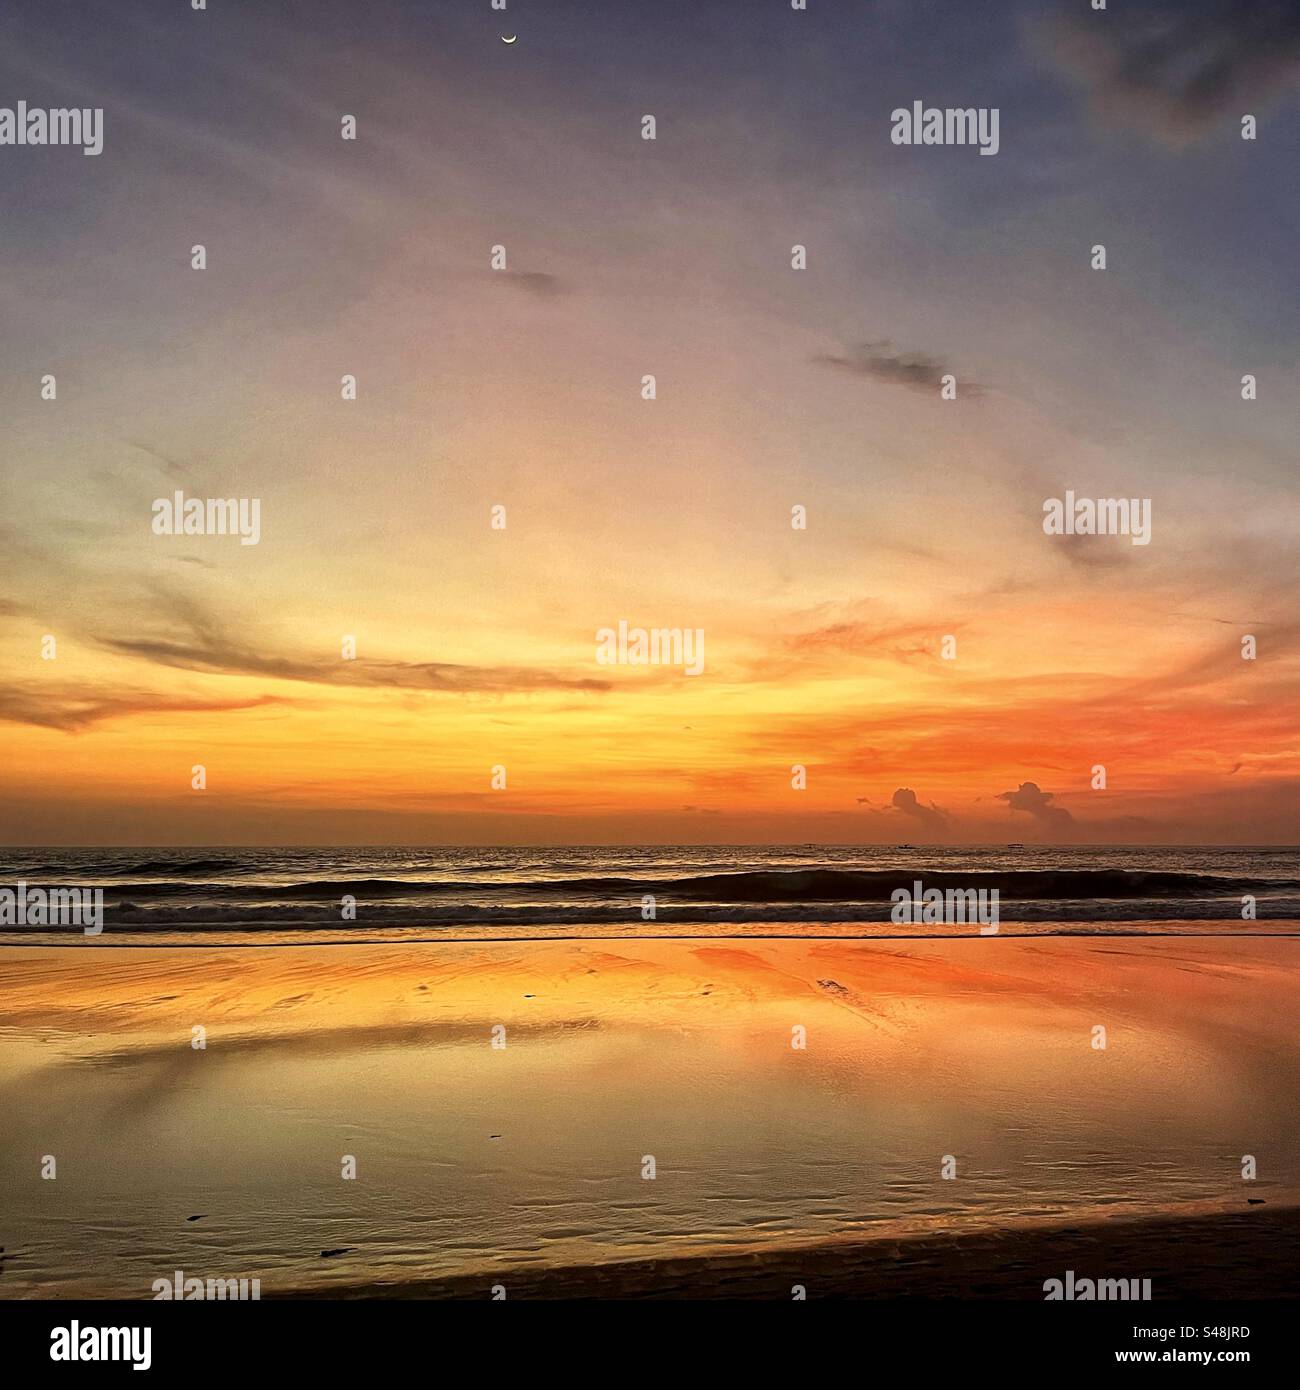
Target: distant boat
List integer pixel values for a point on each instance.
(904, 846)
(1017, 845)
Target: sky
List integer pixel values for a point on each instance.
(522, 388)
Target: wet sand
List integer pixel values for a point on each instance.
(1253, 1254)
(774, 1163)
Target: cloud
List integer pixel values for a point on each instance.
(931, 816)
(71, 713)
(221, 657)
(1028, 797)
(880, 362)
(1179, 67)
(196, 643)
(530, 281)
(167, 466)
(1092, 554)
(911, 643)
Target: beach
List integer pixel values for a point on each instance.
(642, 1117)
(1249, 1255)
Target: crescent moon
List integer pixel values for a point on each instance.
(511, 39)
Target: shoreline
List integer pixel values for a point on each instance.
(1184, 1257)
(153, 939)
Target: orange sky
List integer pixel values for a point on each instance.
(522, 388)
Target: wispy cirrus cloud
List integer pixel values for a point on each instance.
(880, 361)
(196, 642)
(232, 659)
(72, 712)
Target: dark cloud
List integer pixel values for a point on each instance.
(1028, 797)
(1180, 67)
(931, 816)
(71, 713)
(882, 363)
(530, 281)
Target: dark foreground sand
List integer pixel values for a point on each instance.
(1250, 1254)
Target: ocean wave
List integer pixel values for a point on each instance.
(112, 869)
(765, 886)
(843, 885)
(200, 917)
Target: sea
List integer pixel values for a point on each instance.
(408, 893)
